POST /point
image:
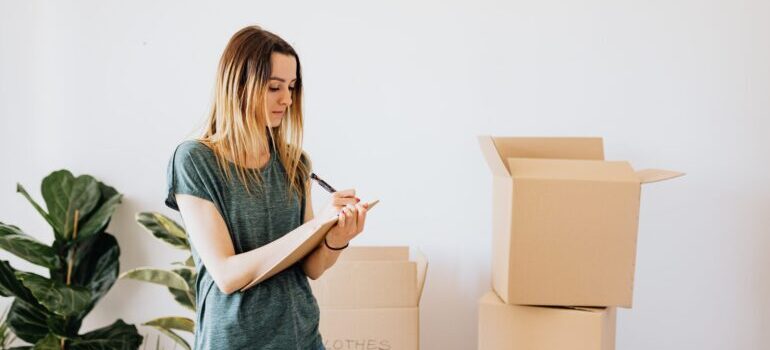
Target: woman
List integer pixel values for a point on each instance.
(245, 183)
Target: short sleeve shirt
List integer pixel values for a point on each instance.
(279, 313)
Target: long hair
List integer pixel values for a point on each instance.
(238, 126)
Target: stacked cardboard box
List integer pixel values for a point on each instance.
(564, 225)
(370, 299)
(503, 326)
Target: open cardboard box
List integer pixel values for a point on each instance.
(517, 327)
(564, 221)
(370, 299)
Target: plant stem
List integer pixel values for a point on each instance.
(70, 260)
(72, 251)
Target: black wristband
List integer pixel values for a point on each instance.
(332, 248)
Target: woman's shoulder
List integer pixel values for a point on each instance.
(189, 171)
(193, 154)
(193, 149)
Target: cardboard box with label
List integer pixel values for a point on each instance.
(515, 327)
(564, 221)
(370, 299)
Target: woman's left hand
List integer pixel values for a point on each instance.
(350, 223)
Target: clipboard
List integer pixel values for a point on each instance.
(300, 241)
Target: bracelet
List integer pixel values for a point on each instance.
(332, 248)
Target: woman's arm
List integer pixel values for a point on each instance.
(350, 223)
(209, 235)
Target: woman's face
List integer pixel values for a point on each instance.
(280, 86)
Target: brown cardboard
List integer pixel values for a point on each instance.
(517, 327)
(370, 298)
(381, 328)
(543, 147)
(564, 221)
(654, 175)
(297, 244)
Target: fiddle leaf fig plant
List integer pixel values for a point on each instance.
(82, 263)
(180, 280)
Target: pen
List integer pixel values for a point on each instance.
(323, 183)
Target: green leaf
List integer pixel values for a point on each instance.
(28, 248)
(189, 276)
(50, 342)
(180, 323)
(61, 326)
(107, 192)
(165, 229)
(56, 188)
(57, 297)
(185, 298)
(64, 194)
(96, 266)
(167, 278)
(20, 189)
(175, 337)
(100, 219)
(190, 262)
(27, 322)
(118, 335)
(10, 286)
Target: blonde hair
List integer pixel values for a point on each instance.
(237, 124)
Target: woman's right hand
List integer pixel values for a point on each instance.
(340, 199)
(350, 220)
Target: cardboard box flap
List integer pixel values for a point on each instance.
(422, 271)
(589, 309)
(374, 254)
(491, 155)
(361, 280)
(654, 175)
(490, 298)
(592, 309)
(568, 169)
(588, 148)
(497, 149)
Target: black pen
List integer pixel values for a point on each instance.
(323, 183)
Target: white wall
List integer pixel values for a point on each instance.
(396, 92)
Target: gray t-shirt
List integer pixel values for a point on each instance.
(279, 313)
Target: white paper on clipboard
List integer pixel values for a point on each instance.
(299, 243)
